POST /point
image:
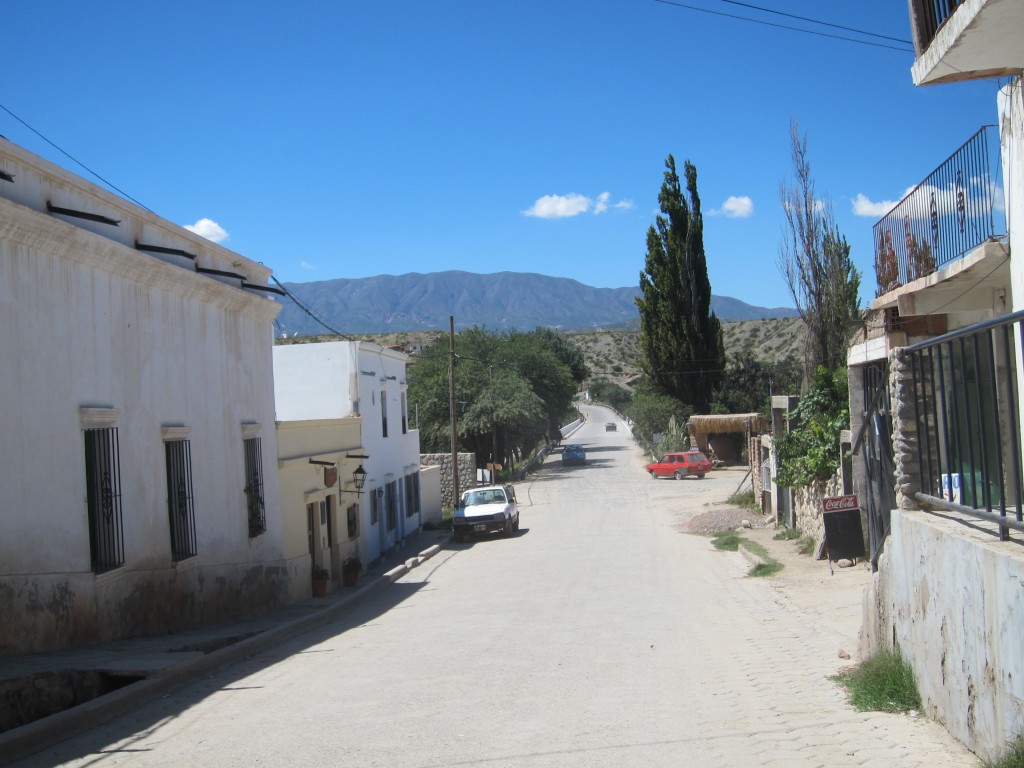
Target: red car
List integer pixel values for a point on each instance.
(679, 465)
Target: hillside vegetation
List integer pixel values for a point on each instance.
(613, 355)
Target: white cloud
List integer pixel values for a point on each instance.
(306, 265)
(565, 206)
(559, 206)
(735, 208)
(209, 229)
(862, 206)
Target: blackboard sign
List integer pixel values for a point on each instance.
(844, 536)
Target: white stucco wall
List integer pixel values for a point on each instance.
(89, 321)
(357, 378)
(949, 596)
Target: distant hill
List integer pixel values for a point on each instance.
(501, 301)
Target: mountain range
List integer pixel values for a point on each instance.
(500, 301)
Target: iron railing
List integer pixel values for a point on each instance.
(928, 16)
(951, 212)
(965, 393)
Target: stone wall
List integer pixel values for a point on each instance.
(467, 473)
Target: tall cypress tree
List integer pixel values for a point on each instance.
(680, 338)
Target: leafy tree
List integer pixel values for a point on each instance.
(652, 412)
(611, 393)
(749, 383)
(680, 338)
(511, 390)
(815, 260)
(810, 451)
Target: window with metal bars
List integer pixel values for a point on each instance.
(353, 521)
(405, 415)
(412, 494)
(384, 411)
(180, 510)
(254, 487)
(103, 499)
(390, 504)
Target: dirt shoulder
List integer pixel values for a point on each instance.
(830, 597)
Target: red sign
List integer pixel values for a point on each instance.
(836, 503)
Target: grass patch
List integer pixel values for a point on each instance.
(728, 541)
(1013, 757)
(806, 545)
(787, 535)
(883, 683)
(744, 499)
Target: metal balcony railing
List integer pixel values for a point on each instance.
(956, 209)
(928, 16)
(967, 418)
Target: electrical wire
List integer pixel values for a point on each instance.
(688, 7)
(816, 21)
(309, 312)
(74, 160)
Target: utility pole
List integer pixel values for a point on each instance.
(452, 359)
(494, 435)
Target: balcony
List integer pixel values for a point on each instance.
(954, 211)
(958, 40)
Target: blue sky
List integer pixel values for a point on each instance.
(349, 139)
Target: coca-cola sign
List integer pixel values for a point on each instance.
(837, 503)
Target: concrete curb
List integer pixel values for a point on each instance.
(750, 556)
(36, 736)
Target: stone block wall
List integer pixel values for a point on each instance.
(467, 473)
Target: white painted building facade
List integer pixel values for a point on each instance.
(362, 383)
(137, 445)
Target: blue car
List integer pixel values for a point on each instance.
(574, 454)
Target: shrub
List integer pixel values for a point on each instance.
(883, 683)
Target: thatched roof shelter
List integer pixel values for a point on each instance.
(755, 423)
(739, 427)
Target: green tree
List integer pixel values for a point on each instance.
(749, 383)
(814, 258)
(511, 391)
(652, 412)
(611, 393)
(680, 338)
(810, 451)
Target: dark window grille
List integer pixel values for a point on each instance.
(384, 411)
(180, 509)
(254, 487)
(353, 521)
(103, 498)
(390, 503)
(405, 415)
(966, 408)
(412, 494)
(374, 507)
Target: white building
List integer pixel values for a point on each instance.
(137, 442)
(344, 404)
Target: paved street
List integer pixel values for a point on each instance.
(600, 635)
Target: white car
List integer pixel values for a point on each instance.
(486, 509)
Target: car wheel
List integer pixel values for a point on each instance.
(700, 475)
(653, 476)
(508, 527)
(459, 538)
(515, 525)
(680, 474)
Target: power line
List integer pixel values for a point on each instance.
(785, 26)
(73, 159)
(309, 312)
(815, 21)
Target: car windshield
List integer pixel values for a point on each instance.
(476, 498)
